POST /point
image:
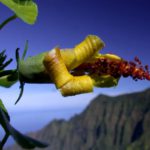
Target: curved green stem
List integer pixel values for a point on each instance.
(2, 143)
(7, 21)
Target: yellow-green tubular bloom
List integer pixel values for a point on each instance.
(68, 57)
(77, 85)
(64, 68)
(68, 84)
(104, 80)
(56, 68)
(109, 56)
(88, 48)
(59, 65)
(82, 52)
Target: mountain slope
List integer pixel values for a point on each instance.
(108, 123)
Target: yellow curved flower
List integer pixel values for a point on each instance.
(61, 65)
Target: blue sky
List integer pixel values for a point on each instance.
(122, 24)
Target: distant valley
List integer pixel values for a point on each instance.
(108, 123)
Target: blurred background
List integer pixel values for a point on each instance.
(122, 25)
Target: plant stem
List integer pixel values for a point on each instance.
(2, 143)
(7, 21)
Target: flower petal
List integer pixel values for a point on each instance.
(82, 52)
(104, 80)
(77, 85)
(56, 68)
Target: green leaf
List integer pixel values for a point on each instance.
(3, 57)
(2, 106)
(25, 9)
(25, 50)
(5, 82)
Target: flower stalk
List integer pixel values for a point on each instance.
(5, 22)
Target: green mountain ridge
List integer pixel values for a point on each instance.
(108, 123)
